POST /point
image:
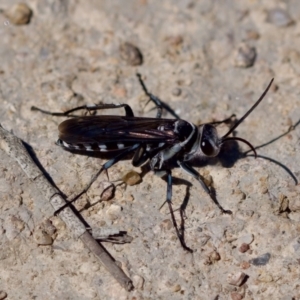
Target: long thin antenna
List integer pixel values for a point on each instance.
(249, 111)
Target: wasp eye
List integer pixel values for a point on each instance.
(207, 147)
(208, 141)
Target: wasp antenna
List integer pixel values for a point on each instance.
(249, 111)
(241, 140)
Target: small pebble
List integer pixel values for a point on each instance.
(265, 277)
(174, 40)
(131, 54)
(245, 265)
(3, 295)
(240, 194)
(118, 195)
(260, 260)
(176, 288)
(244, 56)
(176, 92)
(130, 198)
(13, 226)
(236, 279)
(41, 237)
(19, 14)
(264, 190)
(296, 244)
(284, 203)
(132, 178)
(244, 248)
(208, 180)
(185, 82)
(138, 282)
(166, 224)
(214, 256)
(113, 211)
(58, 223)
(252, 35)
(236, 296)
(17, 223)
(279, 17)
(203, 239)
(49, 227)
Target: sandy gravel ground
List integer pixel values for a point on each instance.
(207, 59)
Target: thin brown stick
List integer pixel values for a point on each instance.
(14, 148)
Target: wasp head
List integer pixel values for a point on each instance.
(208, 143)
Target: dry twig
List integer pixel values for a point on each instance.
(14, 148)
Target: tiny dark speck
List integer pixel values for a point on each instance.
(260, 260)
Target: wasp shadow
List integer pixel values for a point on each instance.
(227, 157)
(36, 161)
(230, 154)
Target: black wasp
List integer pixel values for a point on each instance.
(159, 142)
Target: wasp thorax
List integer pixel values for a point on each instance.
(209, 140)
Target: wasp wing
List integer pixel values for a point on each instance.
(115, 130)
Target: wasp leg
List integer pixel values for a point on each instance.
(188, 169)
(158, 103)
(140, 156)
(227, 120)
(128, 110)
(105, 167)
(180, 233)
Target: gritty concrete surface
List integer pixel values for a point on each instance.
(207, 60)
